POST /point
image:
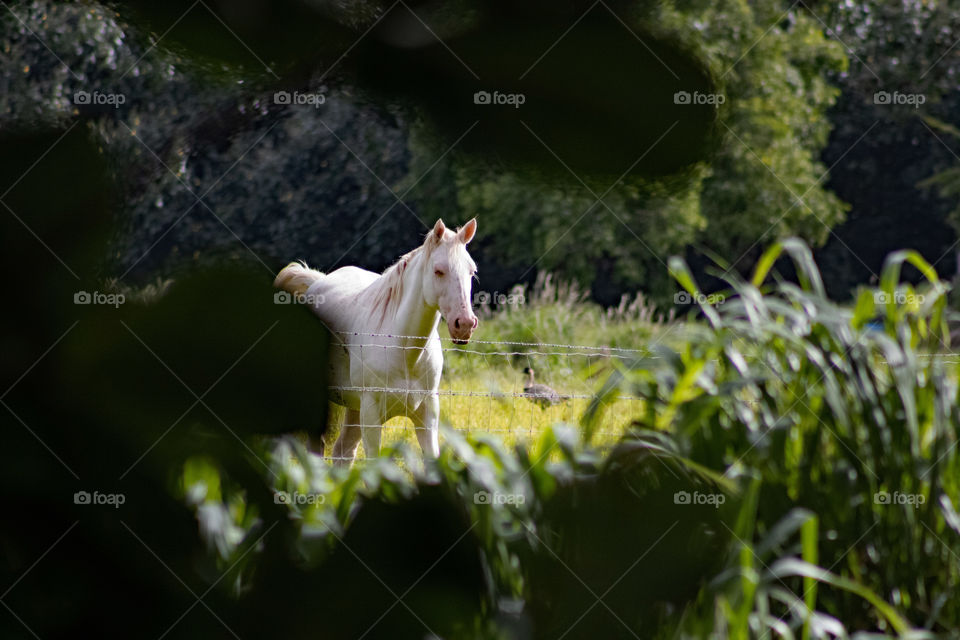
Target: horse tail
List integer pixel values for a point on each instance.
(296, 278)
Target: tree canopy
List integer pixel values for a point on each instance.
(208, 162)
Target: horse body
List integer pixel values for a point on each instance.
(364, 354)
(385, 353)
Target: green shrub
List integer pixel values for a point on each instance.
(840, 430)
(822, 437)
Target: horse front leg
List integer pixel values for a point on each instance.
(426, 422)
(345, 448)
(371, 425)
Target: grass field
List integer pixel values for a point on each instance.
(491, 403)
(482, 381)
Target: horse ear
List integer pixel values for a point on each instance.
(439, 229)
(466, 234)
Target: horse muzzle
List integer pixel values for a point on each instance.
(461, 328)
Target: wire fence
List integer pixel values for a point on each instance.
(484, 387)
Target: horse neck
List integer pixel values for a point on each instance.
(413, 316)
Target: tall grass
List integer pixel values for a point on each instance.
(557, 312)
(841, 434)
(825, 433)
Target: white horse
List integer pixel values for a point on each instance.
(385, 355)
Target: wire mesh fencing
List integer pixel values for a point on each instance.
(511, 389)
(487, 387)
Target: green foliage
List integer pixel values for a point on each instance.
(607, 246)
(899, 45)
(764, 181)
(879, 151)
(837, 434)
(556, 311)
(275, 183)
(946, 182)
(826, 434)
(280, 182)
(812, 406)
(790, 412)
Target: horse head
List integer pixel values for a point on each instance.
(447, 278)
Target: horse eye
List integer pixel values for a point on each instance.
(438, 273)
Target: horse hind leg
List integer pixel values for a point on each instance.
(345, 448)
(316, 444)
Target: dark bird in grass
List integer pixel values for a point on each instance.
(541, 394)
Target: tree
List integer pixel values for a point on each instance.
(283, 181)
(764, 181)
(880, 151)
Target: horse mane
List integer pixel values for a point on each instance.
(387, 290)
(389, 287)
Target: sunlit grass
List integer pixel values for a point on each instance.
(571, 343)
(487, 401)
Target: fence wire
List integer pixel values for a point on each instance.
(504, 407)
